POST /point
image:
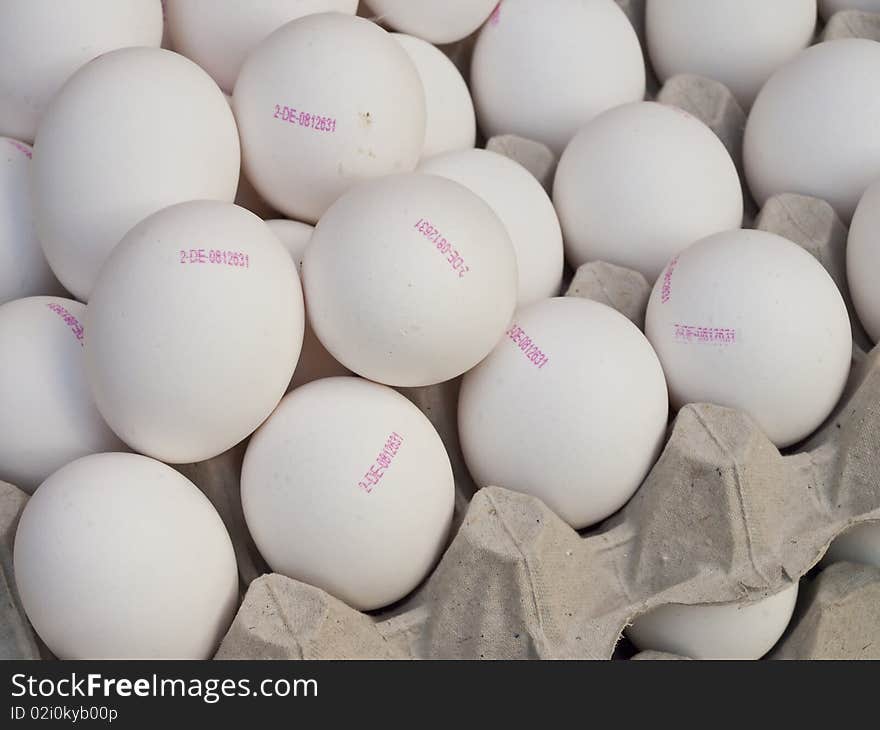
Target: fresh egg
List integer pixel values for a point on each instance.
(716, 631)
(813, 127)
(828, 7)
(24, 271)
(570, 407)
(43, 42)
(859, 544)
(451, 123)
(436, 21)
(410, 280)
(118, 556)
(323, 103)
(641, 182)
(194, 330)
(48, 417)
(348, 487)
(522, 205)
(749, 320)
(132, 132)
(543, 70)
(219, 34)
(314, 360)
(737, 42)
(863, 260)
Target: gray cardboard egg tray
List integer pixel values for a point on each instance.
(723, 516)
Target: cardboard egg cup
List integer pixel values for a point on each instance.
(723, 516)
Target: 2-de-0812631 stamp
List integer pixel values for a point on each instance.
(690, 334)
(383, 462)
(533, 353)
(237, 259)
(308, 120)
(455, 259)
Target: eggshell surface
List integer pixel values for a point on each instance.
(436, 21)
(194, 328)
(571, 407)
(24, 271)
(812, 129)
(718, 631)
(640, 183)
(543, 70)
(139, 564)
(737, 42)
(325, 102)
(48, 417)
(410, 280)
(348, 487)
(110, 152)
(749, 320)
(863, 260)
(43, 42)
(524, 208)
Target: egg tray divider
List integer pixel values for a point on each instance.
(723, 516)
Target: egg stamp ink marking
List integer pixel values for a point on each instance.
(237, 259)
(455, 259)
(21, 148)
(69, 320)
(383, 461)
(305, 119)
(689, 334)
(666, 290)
(532, 352)
(495, 18)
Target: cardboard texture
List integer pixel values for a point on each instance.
(536, 157)
(852, 24)
(839, 617)
(625, 290)
(17, 638)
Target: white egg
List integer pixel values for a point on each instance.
(132, 132)
(48, 417)
(437, 21)
(716, 631)
(194, 330)
(348, 487)
(314, 360)
(522, 205)
(640, 183)
(43, 42)
(451, 123)
(813, 127)
(571, 407)
(737, 42)
(410, 280)
(219, 34)
(543, 70)
(325, 102)
(24, 271)
(863, 260)
(859, 544)
(118, 556)
(749, 320)
(829, 7)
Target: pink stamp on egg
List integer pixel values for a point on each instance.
(455, 259)
(666, 290)
(691, 334)
(533, 353)
(495, 18)
(237, 259)
(308, 120)
(71, 321)
(21, 148)
(383, 462)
